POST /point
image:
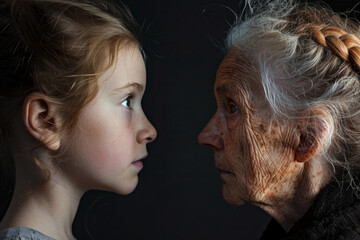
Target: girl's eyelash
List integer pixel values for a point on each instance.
(128, 101)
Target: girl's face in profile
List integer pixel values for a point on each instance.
(112, 131)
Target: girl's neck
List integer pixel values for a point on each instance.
(49, 208)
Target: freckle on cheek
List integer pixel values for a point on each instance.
(262, 127)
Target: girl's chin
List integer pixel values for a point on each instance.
(125, 190)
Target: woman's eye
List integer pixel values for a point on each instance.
(127, 102)
(232, 108)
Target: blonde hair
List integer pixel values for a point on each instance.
(308, 57)
(57, 48)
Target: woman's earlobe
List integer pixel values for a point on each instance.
(316, 132)
(40, 120)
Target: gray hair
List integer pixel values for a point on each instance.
(299, 73)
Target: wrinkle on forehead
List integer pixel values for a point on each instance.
(238, 76)
(237, 63)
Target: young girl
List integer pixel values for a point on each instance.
(71, 81)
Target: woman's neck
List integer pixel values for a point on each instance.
(287, 211)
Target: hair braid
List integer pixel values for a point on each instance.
(308, 57)
(344, 45)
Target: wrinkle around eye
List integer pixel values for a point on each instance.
(232, 107)
(232, 114)
(233, 120)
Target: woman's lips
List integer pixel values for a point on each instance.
(221, 171)
(222, 168)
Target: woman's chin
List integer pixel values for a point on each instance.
(231, 197)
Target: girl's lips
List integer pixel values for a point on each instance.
(138, 164)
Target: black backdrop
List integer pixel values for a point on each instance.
(179, 192)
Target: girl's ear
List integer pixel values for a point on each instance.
(41, 121)
(315, 133)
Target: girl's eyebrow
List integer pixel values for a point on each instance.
(138, 86)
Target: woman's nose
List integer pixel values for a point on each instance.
(210, 136)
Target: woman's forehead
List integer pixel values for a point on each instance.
(235, 70)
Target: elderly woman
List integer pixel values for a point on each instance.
(286, 133)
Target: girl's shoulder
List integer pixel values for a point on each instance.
(22, 233)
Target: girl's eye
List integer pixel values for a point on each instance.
(232, 108)
(127, 102)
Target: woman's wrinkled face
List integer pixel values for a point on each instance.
(112, 131)
(255, 157)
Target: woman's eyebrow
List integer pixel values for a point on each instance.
(138, 86)
(226, 88)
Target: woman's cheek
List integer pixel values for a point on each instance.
(233, 121)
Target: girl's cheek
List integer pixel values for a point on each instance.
(107, 157)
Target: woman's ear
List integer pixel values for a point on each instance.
(315, 133)
(41, 121)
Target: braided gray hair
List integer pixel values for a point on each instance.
(308, 57)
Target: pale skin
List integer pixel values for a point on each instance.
(273, 165)
(107, 147)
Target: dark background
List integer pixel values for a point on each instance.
(179, 192)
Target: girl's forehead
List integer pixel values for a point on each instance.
(127, 70)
